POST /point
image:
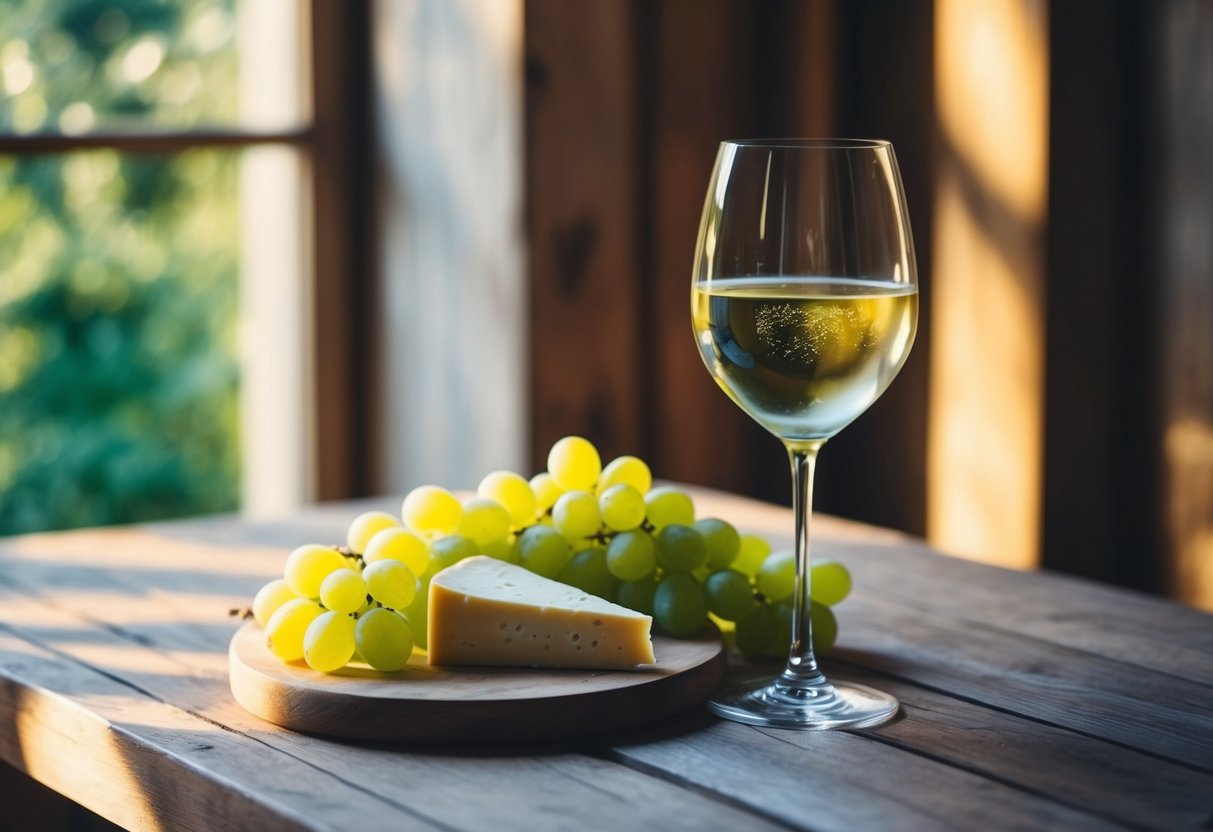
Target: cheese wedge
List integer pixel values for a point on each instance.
(484, 611)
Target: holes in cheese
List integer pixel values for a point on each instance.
(484, 611)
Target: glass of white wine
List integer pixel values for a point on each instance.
(804, 301)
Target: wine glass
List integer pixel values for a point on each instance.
(804, 301)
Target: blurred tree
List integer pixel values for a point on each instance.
(118, 273)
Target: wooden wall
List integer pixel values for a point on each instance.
(625, 103)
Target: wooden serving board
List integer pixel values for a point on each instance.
(471, 705)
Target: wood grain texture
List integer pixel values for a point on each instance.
(523, 788)
(694, 100)
(1179, 33)
(840, 781)
(1083, 772)
(586, 327)
(424, 704)
(117, 638)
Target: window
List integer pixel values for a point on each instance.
(161, 168)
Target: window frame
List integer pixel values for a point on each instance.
(333, 144)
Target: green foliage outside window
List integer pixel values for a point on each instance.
(118, 273)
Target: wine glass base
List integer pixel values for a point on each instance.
(806, 707)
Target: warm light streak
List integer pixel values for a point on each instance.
(277, 429)
(985, 436)
(144, 551)
(1188, 447)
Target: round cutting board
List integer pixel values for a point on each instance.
(471, 704)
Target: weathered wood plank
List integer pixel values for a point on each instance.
(145, 604)
(1164, 715)
(1083, 772)
(1115, 624)
(145, 764)
(838, 781)
(1107, 621)
(532, 788)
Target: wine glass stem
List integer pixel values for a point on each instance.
(801, 670)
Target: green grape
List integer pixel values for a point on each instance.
(632, 555)
(680, 549)
(626, 470)
(398, 544)
(825, 627)
(722, 541)
(285, 630)
(390, 583)
(729, 595)
(576, 515)
(546, 492)
(308, 566)
(679, 606)
(622, 507)
(269, 598)
(667, 505)
(512, 491)
(751, 553)
(756, 634)
(483, 520)
(638, 595)
(417, 614)
(777, 577)
(829, 582)
(449, 551)
(343, 591)
(544, 551)
(366, 526)
(588, 572)
(574, 463)
(384, 639)
(502, 548)
(701, 573)
(431, 510)
(328, 644)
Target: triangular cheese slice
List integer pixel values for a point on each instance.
(484, 611)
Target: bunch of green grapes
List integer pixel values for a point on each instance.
(605, 530)
(333, 605)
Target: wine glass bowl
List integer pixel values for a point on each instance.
(804, 304)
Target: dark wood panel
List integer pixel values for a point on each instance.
(626, 106)
(705, 88)
(1101, 514)
(587, 322)
(875, 470)
(342, 247)
(1180, 258)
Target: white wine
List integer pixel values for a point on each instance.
(804, 356)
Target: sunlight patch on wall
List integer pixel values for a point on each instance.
(987, 354)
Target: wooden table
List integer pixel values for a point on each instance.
(1029, 701)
